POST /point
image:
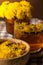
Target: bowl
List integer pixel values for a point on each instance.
(20, 60)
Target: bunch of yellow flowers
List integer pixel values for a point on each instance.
(3, 8)
(10, 10)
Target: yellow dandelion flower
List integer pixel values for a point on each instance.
(26, 28)
(20, 14)
(38, 27)
(25, 9)
(3, 8)
(5, 2)
(16, 5)
(31, 27)
(25, 3)
(11, 8)
(1, 12)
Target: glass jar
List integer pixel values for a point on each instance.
(30, 32)
(10, 26)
